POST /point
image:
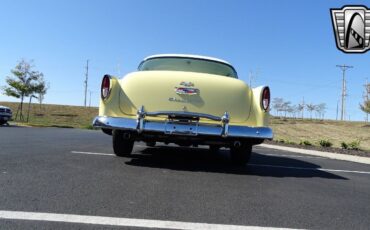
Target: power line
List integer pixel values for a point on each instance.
(86, 79)
(344, 90)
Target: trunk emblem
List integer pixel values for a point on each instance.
(186, 91)
(186, 88)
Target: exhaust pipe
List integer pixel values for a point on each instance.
(237, 144)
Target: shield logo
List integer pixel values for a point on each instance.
(352, 28)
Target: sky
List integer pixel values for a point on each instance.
(288, 45)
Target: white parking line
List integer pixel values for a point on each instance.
(312, 169)
(336, 156)
(91, 153)
(127, 222)
(294, 156)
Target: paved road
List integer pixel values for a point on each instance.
(53, 170)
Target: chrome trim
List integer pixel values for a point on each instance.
(110, 87)
(182, 113)
(225, 119)
(140, 119)
(183, 91)
(178, 100)
(261, 98)
(202, 129)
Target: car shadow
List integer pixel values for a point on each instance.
(202, 160)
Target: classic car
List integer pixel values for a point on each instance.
(187, 100)
(5, 115)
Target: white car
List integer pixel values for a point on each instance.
(5, 114)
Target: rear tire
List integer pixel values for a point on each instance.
(122, 147)
(241, 155)
(2, 122)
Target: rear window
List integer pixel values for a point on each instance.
(188, 65)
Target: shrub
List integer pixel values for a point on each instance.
(325, 143)
(89, 127)
(355, 145)
(305, 142)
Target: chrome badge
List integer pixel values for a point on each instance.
(186, 91)
(352, 28)
(186, 88)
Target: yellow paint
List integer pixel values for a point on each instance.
(153, 89)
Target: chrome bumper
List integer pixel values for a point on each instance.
(170, 127)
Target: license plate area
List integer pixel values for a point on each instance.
(181, 128)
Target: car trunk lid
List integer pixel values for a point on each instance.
(187, 92)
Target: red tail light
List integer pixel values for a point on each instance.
(265, 100)
(105, 87)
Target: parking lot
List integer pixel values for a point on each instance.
(53, 178)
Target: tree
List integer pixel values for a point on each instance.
(24, 83)
(300, 108)
(286, 107)
(365, 106)
(41, 90)
(321, 109)
(311, 107)
(293, 111)
(278, 104)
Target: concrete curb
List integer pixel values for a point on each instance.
(336, 156)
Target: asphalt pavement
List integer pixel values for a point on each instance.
(74, 172)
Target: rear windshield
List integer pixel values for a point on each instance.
(188, 65)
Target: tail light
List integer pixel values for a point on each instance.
(265, 100)
(105, 87)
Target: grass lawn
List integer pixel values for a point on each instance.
(292, 130)
(56, 115)
(289, 130)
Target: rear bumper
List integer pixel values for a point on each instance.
(182, 129)
(5, 117)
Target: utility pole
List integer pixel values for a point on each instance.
(86, 79)
(366, 97)
(344, 90)
(90, 98)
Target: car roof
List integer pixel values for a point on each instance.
(4, 107)
(187, 56)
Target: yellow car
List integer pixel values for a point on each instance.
(188, 100)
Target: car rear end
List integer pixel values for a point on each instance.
(185, 107)
(5, 115)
